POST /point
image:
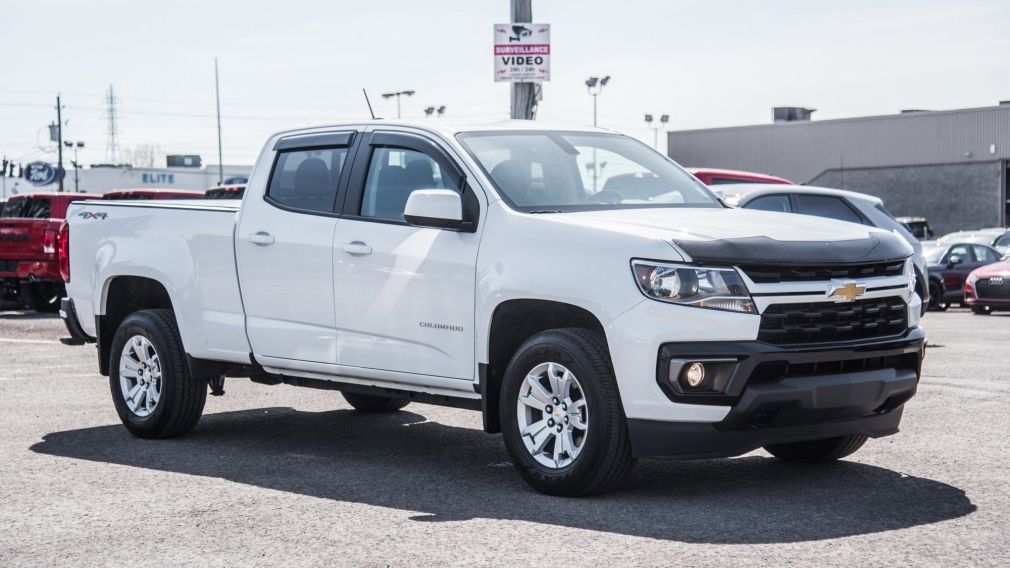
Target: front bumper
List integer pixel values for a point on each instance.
(779, 394)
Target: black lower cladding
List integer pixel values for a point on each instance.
(69, 314)
(782, 395)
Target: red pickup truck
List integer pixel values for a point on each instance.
(29, 242)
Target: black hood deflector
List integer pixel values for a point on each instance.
(877, 247)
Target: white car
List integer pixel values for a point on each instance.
(830, 203)
(592, 316)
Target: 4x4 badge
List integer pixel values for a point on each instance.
(846, 292)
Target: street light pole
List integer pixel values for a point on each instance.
(655, 129)
(397, 94)
(77, 178)
(595, 86)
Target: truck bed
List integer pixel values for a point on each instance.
(189, 249)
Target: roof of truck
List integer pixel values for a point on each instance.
(450, 128)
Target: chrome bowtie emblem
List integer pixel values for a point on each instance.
(846, 292)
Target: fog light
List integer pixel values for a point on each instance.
(695, 375)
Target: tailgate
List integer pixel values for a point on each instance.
(22, 239)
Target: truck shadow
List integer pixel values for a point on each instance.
(402, 461)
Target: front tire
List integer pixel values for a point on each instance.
(814, 451)
(561, 414)
(154, 393)
(372, 403)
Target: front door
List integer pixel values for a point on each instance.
(284, 250)
(404, 295)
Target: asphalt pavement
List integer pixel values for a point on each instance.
(282, 476)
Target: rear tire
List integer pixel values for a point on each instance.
(372, 403)
(43, 297)
(178, 398)
(814, 451)
(981, 310)
(936, 297)
(591, 427)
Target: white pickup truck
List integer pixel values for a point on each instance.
(591, 298)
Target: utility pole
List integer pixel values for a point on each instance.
(524, 95)
(59, 142)
(220, 153)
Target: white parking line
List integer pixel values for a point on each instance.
(35, 378)
(38, 341)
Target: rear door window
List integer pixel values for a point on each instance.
(778, 203)
(826, 206)
(307, 179)
(983, 255)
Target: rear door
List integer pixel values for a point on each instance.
(404, 294)
(284, 249)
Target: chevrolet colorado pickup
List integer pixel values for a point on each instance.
(488, 268)
(30, 228)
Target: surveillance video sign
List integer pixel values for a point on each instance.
(522, 52)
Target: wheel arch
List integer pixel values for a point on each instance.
(513, 322)
(122, 296)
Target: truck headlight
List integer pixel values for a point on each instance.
(700, 287)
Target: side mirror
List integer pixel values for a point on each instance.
(953, 260)
(435, 208)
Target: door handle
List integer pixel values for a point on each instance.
(356, 248)
(261, 239)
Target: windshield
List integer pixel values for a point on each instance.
(578, 171)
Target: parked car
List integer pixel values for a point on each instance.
(918, 226)
(475, 267)
(987, 288)
(832, 203)
(147, 193)
(713, 176)
(29, 241)
(985, 236)
(949, 266)
(234, 191)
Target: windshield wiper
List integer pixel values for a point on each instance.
(539, 211)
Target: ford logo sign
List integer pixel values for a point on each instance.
(40, 173)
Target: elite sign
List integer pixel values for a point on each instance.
(522, 52)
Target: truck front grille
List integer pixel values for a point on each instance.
(997, 288)
(770, 274)
(826, 322)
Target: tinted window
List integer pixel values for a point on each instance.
(393, 174)
(825, 206)
(575, 171)
(984, 255)
(1002, 241)
(960, 251)
(27, 208)
(778, 203)
(307, 179)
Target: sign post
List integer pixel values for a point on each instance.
(522, 52)
(522, 56)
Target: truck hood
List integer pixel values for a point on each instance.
(744, 235)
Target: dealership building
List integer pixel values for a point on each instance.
(949, 166)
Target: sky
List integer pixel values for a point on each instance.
(706, 63)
